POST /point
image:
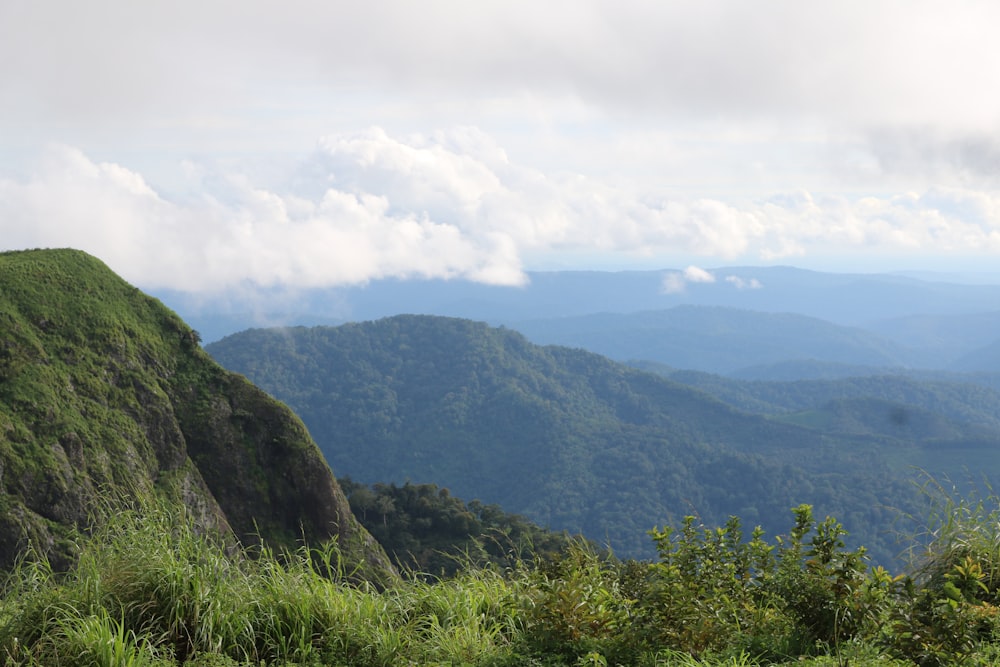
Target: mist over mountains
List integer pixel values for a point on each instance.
(750, 322)
(841, 298)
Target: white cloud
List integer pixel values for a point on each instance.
(450, 204)
(726, 102)
(675, 282)
(743, 283)
(257, 236)
(694, 274)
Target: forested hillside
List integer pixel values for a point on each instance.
(568, 438)
(432, 534)
(941, 425)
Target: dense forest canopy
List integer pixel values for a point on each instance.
(577, 442)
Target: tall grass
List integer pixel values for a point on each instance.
(150, 589)
(959, 525)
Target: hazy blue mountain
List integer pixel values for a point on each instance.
(867, 415)
(982, 360)
(848, 299)
(809, 369)
(974, 406)
(717, 339)
(942, 424)
(944, 338)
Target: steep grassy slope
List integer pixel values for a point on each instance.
(568, 438)
(106, 394)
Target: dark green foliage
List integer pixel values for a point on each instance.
(577, 604)
(946, 426)
(569, 439)
(712, 590)
(105, 394)
(949, 604)
(429, 532)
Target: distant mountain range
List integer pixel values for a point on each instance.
(768, 322)
(576, 441)
(719, 340)
(847, 299)
(104, 392)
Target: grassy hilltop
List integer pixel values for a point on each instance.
(106, 396)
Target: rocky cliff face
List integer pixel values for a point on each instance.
(107, 397)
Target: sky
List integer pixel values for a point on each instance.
(211, 145)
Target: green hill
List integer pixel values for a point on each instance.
(107, 397)
(568, 438)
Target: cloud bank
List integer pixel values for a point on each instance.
(700, 133)
(884, 89)
(919, 60)
(451, 204)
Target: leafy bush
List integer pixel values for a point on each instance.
(575, 606)
(711, 590)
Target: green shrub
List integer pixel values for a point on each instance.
(575, 607)
(712, 591)
(946, 611)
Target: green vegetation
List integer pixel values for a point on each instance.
(431, 533)
(150, 588)
(104, 392)
(569, 439)
(944, 425)
(156, 509)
